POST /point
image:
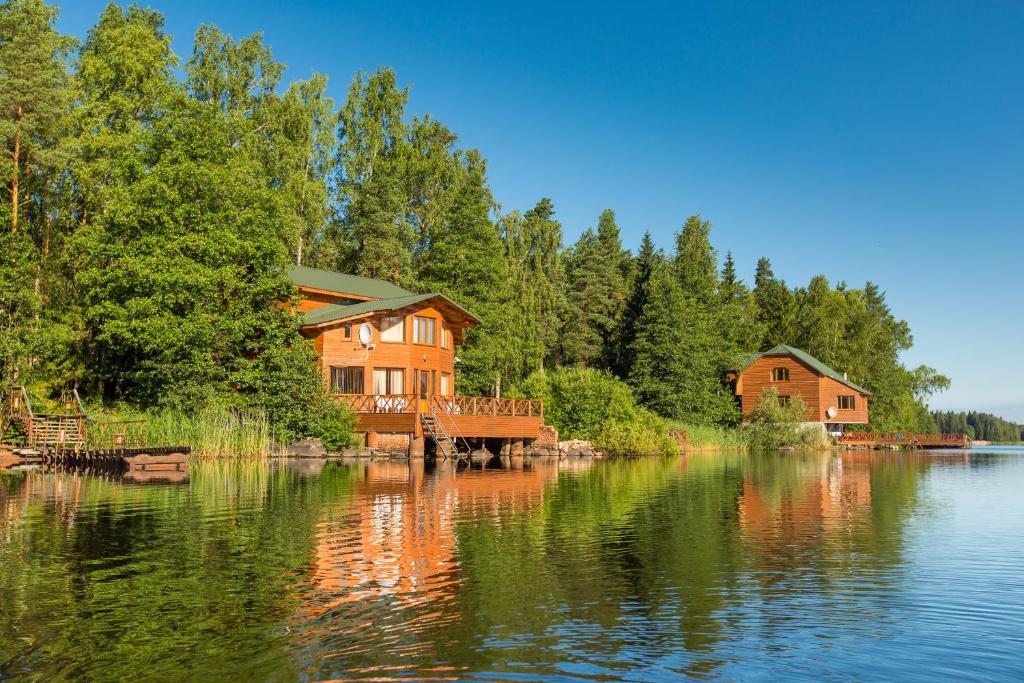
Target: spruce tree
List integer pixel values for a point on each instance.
(648, 259)
(695, 262)
(677, 367)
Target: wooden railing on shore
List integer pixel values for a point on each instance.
(905, 439)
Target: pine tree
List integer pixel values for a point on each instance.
(34, 102)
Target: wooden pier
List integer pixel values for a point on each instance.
(72, 440)
(899, 440)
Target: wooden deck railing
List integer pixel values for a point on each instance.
(450, 405)
(487, 406)
(377, 403)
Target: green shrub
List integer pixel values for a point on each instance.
(774, 424)
(583, 403)
(712, 437)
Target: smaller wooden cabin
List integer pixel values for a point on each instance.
(830, 397)
(391, 355)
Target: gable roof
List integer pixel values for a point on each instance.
(356, 285)
(805, 358)
(338, 312)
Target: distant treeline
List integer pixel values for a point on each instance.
(154, 203)
(981, 426)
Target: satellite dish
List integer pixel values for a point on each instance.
(831, 412)
(365, 334)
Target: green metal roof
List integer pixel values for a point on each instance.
(332, 312)
(805, 358)
(345, 284)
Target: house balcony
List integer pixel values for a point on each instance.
(461, 416)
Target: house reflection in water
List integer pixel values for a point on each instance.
(391, 555)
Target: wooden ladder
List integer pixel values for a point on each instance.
(445, 443)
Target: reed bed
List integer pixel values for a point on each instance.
(213, 432)
(712, 437)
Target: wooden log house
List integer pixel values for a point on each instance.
(391, 355)
(829, 396)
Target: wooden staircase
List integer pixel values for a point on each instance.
(445, 443)
(62, 431)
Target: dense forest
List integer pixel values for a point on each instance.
(981, 426)
(154, 204)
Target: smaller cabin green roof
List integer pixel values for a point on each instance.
(332, 312)
(342, 283)
(805, 358)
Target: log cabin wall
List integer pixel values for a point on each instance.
(803, 382)
(830, 390)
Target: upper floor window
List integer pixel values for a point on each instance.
(347, 380)
(347, 331)
(423, 330)
(446, 337)
(847, 402)
(780, 374)
(392, 329)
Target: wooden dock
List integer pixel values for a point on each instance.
(899, 440)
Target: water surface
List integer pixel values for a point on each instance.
(741, 567)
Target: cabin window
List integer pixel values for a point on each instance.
(445, 337)
(847, 402)
(780, 374)
(392, 329)
(423, 330)
(347, 330)
(785, 400)
(388, 381)
(446, 384)
(347, 380)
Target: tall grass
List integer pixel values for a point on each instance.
(712, 437)
(213, 432)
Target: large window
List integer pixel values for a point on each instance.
(347, 380)
(446, 384)
(780, 374)
(446, 337)
(388, 381)
(847, 402)
(423, 330)
(392, 329)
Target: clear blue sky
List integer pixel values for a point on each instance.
(879, 141)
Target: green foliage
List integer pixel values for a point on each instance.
(678, 357)
(702, 437)
(585, 403)
(772, 423)
(152, 216)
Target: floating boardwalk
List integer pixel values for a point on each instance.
(898, 440)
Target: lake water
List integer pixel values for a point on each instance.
(741, 567)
